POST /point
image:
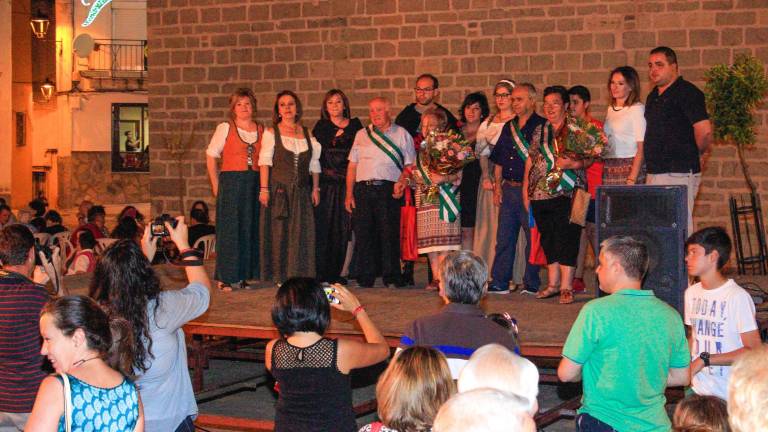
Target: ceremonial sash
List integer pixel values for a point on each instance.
(386, 145)
(449, 202)
(521, 144)
(568, 179)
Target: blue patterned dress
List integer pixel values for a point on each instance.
(96, 409)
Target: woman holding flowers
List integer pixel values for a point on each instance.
(550, 179)
(438, 218)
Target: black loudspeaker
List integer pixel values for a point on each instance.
(658, 216)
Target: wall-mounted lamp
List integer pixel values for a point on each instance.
(39, 23)
(47, 89)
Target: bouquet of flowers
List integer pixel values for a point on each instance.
(583, 140)
(444, 153)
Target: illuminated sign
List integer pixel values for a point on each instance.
(96, 8)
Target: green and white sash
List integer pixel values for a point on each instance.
(382, 141)
(449, 202)
(521, 144)
(568, 179)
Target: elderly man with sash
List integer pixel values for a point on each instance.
(509, 155)
(379, 155)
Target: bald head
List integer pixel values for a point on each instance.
(378, 109)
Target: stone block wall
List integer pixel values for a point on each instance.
(88, 175)
(201, 50)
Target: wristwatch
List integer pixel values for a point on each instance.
(704, 356)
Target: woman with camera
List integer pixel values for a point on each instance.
(127, 285)
(312, 371)
(92, 358)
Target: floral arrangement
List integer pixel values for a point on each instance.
(444, 153)
(583, 140)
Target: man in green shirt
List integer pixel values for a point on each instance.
(626, 347)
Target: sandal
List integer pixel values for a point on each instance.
(224, 287)
(549, 292)
(566, 297)
(433, 286)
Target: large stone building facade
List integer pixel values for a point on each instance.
(201, 50)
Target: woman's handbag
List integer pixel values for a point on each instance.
(409, 250)
(537, 256)
(580, 206)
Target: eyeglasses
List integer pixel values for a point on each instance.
(502, 95)
(423, 90)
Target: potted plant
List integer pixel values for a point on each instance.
(733, 93)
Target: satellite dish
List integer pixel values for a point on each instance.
(83, 45)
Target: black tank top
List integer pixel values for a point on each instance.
(314, 395)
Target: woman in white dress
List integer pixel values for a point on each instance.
(625, 129)
(486, 220)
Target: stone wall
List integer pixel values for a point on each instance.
(200, 50)
(88, 175)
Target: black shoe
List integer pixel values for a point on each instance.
(365, 283)
(495, 289)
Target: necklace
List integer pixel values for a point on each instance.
(81, 361)
(289, 129)
(613, 107)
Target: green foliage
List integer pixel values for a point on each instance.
(733, 94)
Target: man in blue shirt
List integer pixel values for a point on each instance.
(509, 155)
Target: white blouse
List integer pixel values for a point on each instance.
(624, 128)
(293, 145)
(487, 135)
(219, 139)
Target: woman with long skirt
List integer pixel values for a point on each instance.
(236, 143)
(335, 131)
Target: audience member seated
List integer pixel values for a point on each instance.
(6, 216)
(461, 326)
(95, 224)
(82, 212)
(90, 369)
(127, 229)
(625, 369)
(484, 410)
(133, 213)
(409, 393)
(125, 282)
(701, 414)
(748, 392)
(199, 225)
(84, 260)
(494, 366)
(312, 371)
(21, 301)
(39, 224)
(53, 223)
(38, 206)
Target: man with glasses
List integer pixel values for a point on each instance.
(426, 91)
(509, 156)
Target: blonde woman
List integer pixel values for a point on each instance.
(412, 389)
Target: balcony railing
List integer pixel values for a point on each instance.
(117, 58)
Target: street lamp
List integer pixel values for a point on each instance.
(39, 23)
(47, 89)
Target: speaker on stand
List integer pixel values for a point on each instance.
(657, 216)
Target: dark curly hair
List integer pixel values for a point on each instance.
(124, 283)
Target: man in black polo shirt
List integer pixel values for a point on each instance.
(678, 129)
(426, 91)
(509, 155)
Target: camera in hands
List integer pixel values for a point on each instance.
(158, 228)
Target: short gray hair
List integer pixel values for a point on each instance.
(631, 253)
(530, 87)
(484, 409)
(464, 277)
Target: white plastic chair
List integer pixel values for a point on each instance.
(56, 238)
(102, 244)
(66, 251)
(209, 244)
(42, 238)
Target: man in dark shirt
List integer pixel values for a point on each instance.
(21, 301)
(426, 91)
(509, 155)
(461, 326)
(678, 128)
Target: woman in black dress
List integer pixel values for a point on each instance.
(473, 111)
(335, 131)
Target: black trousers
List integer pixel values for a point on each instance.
(559, 237)
(376, 224)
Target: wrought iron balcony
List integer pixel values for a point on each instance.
(117, 58)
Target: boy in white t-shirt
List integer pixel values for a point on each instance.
(719, 313)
